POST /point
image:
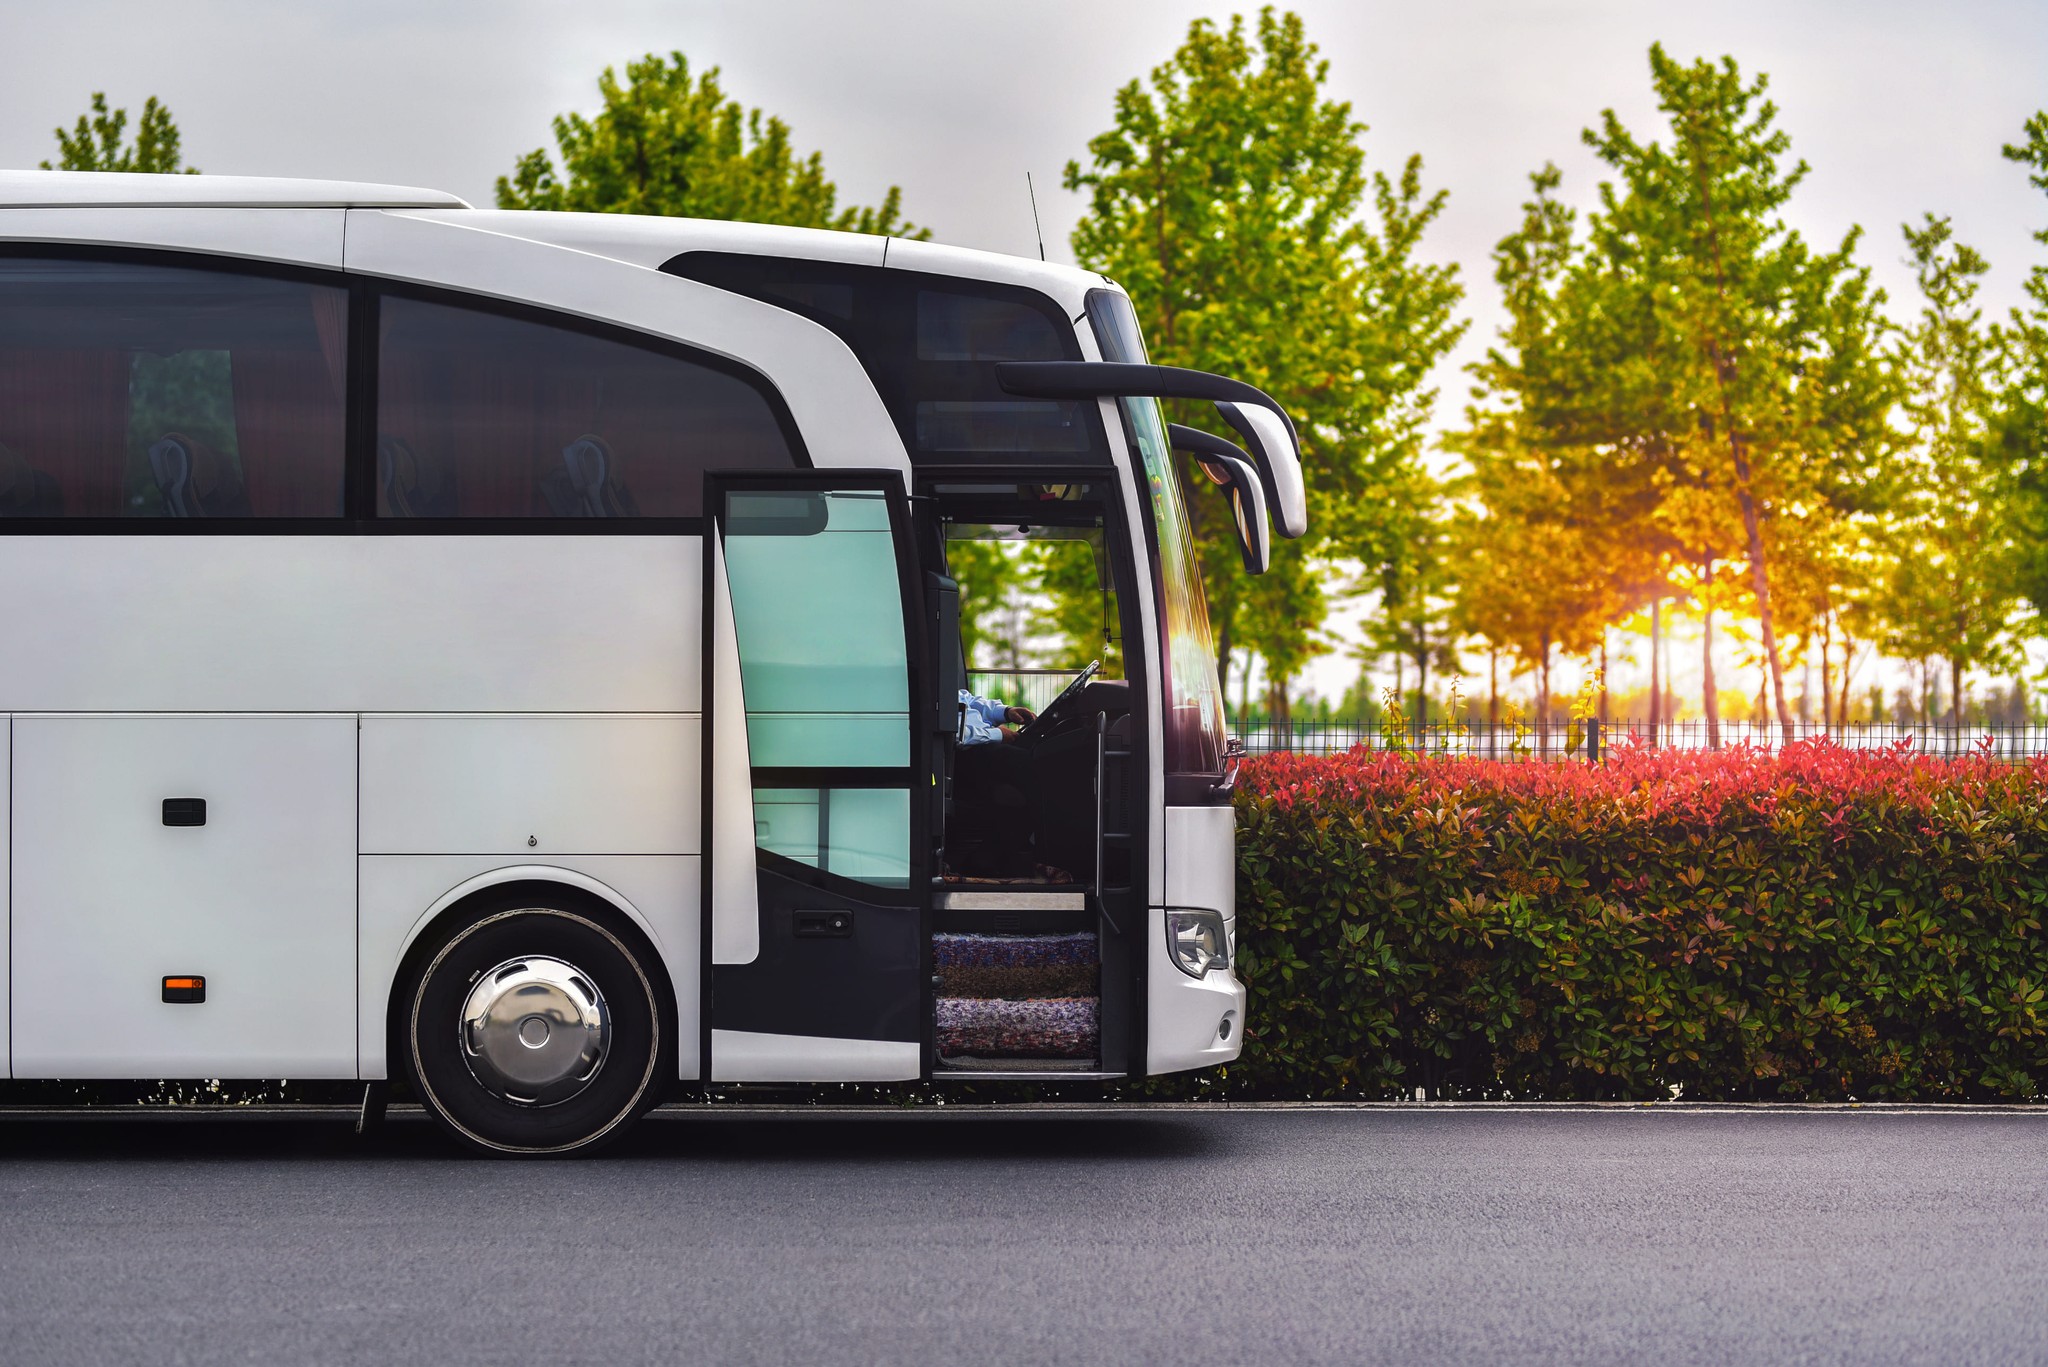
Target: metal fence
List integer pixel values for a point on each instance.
(1559, 740)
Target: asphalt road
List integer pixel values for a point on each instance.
(1413, 1236)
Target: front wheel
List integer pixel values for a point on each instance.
(535, 1030)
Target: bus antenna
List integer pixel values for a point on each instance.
(1033, 190)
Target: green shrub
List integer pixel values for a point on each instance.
(1822, 924)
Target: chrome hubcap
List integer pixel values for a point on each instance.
(535, 1031)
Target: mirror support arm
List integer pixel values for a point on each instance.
(1197, 443)
(1274, 437)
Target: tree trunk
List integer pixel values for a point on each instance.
(1543, 700)
(1708, 697)
(1656, 673)
(1493, 700)
(1760, 580)
(1848, 659)
(1603, 678)
(1827, 678)
(1955, 692)
(1421, 689)
(1926, 694)
(1806, 676)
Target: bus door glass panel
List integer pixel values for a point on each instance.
(817, 586)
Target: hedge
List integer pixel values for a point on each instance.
(1822, 924)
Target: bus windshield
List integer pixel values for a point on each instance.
(1194, 722)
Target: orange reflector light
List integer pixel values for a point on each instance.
(184, 989)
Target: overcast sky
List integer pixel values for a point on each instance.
(1900, 106)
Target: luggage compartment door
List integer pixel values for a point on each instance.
(214, 848)
(817, 925)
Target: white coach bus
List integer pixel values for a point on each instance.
(520, 653)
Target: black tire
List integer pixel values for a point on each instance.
(630, 1081)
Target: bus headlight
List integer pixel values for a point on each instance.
(1197, 940)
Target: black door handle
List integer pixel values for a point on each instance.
(184, 811)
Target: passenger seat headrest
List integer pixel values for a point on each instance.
(26, 491)
(587, 484)
(589, 462)
(409, 485)
(17, 480)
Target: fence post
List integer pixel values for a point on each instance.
(1593, 740)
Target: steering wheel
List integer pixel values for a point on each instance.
(1051, 709)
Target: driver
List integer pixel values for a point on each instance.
(996, 785)
(984, 718)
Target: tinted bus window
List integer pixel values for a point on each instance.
(480, 415)
(931, 344)
(131, 390)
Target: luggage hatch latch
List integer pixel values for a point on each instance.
(823, 925)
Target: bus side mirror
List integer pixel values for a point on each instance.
(1240, 485)
(1229, 466)
(1271, 438)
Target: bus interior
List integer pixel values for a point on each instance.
(1036, 822)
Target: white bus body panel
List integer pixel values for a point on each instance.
(647, 241)
(1201, 858)
(301, 237)
(354, 624)
(260, 900)
(752, 1056)
(530, 786)
(1184, 1016)
(131, 189)
(402, 894)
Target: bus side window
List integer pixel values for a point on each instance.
(481, 415)
(141, 390)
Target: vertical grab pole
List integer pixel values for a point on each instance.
(1101, 795)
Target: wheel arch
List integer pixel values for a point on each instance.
(504, 888)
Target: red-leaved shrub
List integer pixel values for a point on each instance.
(1822, 923)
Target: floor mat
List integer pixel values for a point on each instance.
(1014, 951)
(1051, 1027)
(1030, 980)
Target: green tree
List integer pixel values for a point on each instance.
(667, 142)
(1693, 366)
(1530, 578)
(1951, 595)
(1557, 435)
(2020, 419)
(1231, 199)
(1416, 621)
(97, 141)
(1757, 328)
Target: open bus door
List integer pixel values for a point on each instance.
(816, 780)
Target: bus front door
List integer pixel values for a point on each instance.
(814, 834)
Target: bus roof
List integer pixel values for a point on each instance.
(641, 240)
(124, 190)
